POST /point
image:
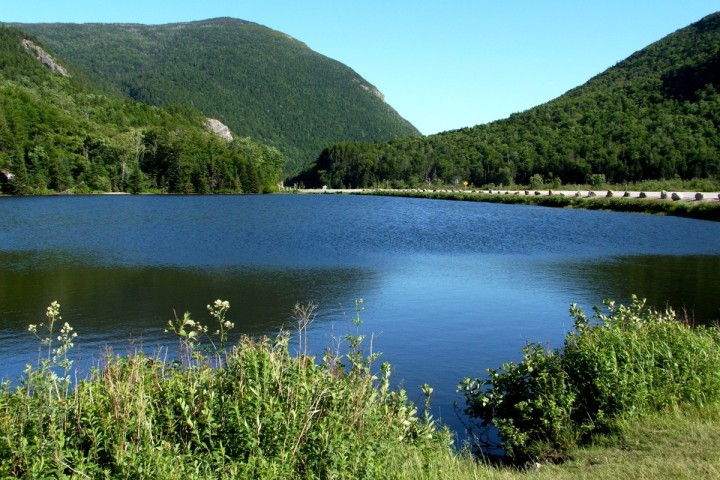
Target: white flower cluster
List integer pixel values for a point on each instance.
(218, 310)
(65, 332)
(53, 311)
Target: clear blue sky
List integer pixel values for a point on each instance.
(441, 65)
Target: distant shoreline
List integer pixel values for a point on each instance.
(705, 206)
(600, 193)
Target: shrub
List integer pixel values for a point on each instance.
(597, 180)
(630, 362)
(637, 359)
(536, 181)
(526, 401)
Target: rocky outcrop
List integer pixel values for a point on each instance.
(45, 58)
(370, 89)
(219, 129)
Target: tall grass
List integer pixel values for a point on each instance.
(628, 362)
(251, 411)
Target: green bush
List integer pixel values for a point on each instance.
(637, 359)
(632, 361)
(525, 401)
(597, 180)
(537, 182)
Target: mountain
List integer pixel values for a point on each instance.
(260, 82)
(654, 115)
(60, 133)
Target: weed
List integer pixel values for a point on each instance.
(259, 413)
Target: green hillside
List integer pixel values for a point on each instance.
(58, 133)
(261, 83)
(653, 116)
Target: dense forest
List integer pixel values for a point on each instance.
(653, 116)
(60, 134)
(260, 82)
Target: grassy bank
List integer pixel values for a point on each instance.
(680, 444)
(646, 405)
(708, 210)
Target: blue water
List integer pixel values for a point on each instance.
(449, 288)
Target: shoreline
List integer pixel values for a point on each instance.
(684, 196)
(705, 206)
(697, 205)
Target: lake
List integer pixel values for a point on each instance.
(449, 288)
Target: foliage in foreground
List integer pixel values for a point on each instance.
(629, 363)
(254, 411)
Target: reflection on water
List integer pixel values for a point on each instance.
(688, 284)
(122, 305)
(450, 288)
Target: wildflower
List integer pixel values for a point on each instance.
(218, 308)
(53, 311)
(222, 304)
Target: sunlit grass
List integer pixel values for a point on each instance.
(680, 444)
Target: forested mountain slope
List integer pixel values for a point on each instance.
(58, 133)
(260, 82)
(654, 115)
